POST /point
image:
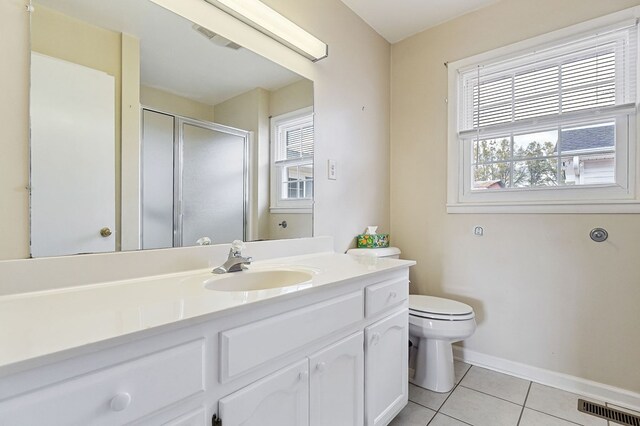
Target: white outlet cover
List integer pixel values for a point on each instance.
(331, 169)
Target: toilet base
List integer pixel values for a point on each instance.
(434, 366)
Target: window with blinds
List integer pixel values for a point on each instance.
(292, 182)
(590, 76)
(556, 115)
(299, 143)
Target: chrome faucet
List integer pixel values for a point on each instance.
(235, 262)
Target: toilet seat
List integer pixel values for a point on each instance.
(439, 309)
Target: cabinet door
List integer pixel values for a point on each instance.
(281, 399)
(337, 384)
(386, 358)
(193, 418)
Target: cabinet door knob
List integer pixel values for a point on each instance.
(120, 401)
(375, 338)
(321, 367)
(303, 376)
(105, 232)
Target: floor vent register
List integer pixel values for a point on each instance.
(611, 414)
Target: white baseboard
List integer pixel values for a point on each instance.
(588, 388)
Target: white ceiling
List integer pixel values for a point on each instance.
(398, 19)
(173, 56)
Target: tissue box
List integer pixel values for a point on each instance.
(372, 240)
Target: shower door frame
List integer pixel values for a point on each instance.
(178, 166)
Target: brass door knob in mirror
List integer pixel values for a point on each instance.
(105, 232)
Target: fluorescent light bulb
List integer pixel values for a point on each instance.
(266, 20)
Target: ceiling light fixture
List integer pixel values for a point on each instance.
(269, 22)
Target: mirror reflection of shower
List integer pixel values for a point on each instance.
(194, 182)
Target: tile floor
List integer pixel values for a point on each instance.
(483, 397)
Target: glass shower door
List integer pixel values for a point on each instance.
(212, 184)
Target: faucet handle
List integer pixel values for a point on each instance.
(237, 246)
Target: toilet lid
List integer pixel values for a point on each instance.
(429, 306)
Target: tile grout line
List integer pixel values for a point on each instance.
(549, 414)
(493, 396)
(451, 417)
(553, 415)
(448, 396)
(524, 404)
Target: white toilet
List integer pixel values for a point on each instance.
(388, 252)
(434, 324)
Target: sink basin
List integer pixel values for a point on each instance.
(258, 280)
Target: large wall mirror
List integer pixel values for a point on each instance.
(148, 131)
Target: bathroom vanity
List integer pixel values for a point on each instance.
(176, 349)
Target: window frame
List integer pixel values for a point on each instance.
(279, 124)
(621, 197)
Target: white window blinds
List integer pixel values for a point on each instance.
(299, 142)
(295, 141)
(591, 75)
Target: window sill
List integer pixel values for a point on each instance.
(290, 210)
(593, 207)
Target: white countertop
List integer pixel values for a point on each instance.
(39, 324)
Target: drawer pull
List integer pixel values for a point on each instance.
(393, 295)
(303, 376)
(120, 401)
(321, 367)
(375, 338)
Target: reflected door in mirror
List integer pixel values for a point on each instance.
(213, 185)
(72, 158)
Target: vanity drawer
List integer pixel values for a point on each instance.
(246, 347)
(385, 295)
(115, 395)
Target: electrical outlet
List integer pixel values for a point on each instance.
(332, 169)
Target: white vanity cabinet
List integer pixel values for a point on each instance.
(332, 356)
(386, 368)
(117, 394)
(281, 398)
(337, 383)
(324, 389)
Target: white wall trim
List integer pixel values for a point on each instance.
(620, 207)
(589, 388)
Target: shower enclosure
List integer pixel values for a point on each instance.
(194, 187)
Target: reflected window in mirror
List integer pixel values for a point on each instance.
(292, 162)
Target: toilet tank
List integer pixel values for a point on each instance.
(388, 252)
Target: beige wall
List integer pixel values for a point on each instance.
(298, 225)
(14, 113)
(545, 294)
(168, 102)
(293, 97)
(131, 151)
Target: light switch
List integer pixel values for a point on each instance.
(332, 170)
